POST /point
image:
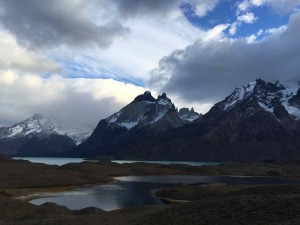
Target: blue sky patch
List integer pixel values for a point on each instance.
(88, 67)
(225, 12)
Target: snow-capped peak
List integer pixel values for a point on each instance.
(268, 95)
(36, 125)
(238, 95)
(144, 110)
(40, 126)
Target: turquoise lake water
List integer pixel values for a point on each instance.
(62, 161)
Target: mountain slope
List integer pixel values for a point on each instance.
(259, 122)
(143, 118)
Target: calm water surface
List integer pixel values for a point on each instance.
(132, 191)
(170, 162)
(62, 161)
(51, 161)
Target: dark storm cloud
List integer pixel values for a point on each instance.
(208, 71)
(39, 24)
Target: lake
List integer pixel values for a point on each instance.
(133, 191)
(63, 161)
(170, 162)
(51, 161)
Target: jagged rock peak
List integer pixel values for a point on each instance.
(163, 96)
(188, 115)
(262, 90)
(163, 99)
(145, 97)
(268, 86)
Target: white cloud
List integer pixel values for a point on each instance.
(162, 29)
(280, 6)
(134, 56)
(77, 100)
(12, 56)
(24, 92)
(205, 72)
(253, 37)
(257, 2)
(149, 41)
(283, 6)
(277, 31)
(248, 17)
(216, 33)
(156, 29)
(243, 6)
(205, 6)
(233, 28)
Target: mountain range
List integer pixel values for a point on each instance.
(256, 122)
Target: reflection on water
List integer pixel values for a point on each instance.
(107, 197)
(131, 191)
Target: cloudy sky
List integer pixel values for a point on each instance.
(82, 60)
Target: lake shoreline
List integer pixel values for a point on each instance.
(35, 193)
(28, 177)
(138, 169)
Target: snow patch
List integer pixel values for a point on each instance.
(128, 125)
(236, 96)
(292, 110)
(113, 118)
(163, 102)
(189, 118)
(266, 108)
(15, 131)
(251, 86)
(291, 90)
(159, 116)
